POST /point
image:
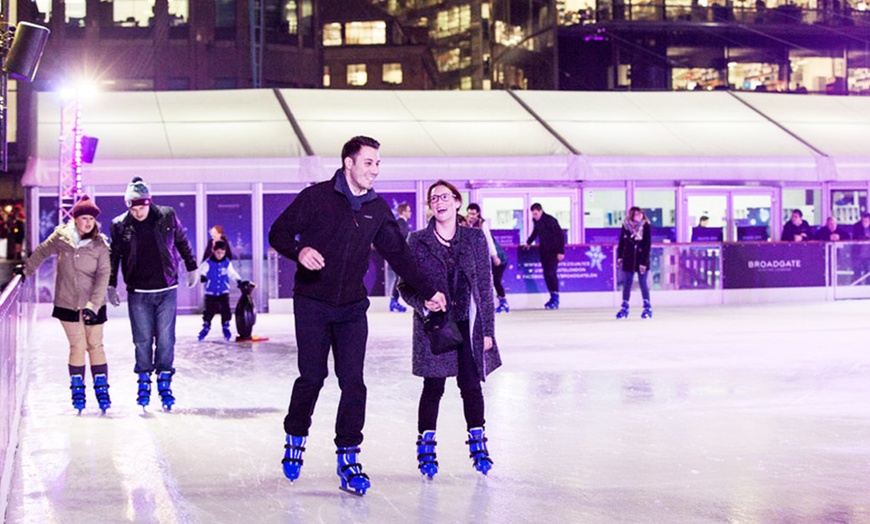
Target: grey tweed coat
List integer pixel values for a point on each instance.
(474, 263)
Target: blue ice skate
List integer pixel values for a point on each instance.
(647, 310)
(623, 313)
(77, 387)
(164, 383)
(477, 450)
(395, 306)
(143, 397)
(553, 303)
(426, 462)
(353, 480)
(503, 306)
(292, 461)
(101, 390)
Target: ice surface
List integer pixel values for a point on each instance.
(713, 414)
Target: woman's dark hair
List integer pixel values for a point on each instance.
(456, 194)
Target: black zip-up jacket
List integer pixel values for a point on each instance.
(634, 253)
(549, 234)
(171, 242)
(321, 218)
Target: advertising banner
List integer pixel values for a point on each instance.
(771, 265)
(585, 268)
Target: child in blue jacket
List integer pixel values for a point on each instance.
(216, 273)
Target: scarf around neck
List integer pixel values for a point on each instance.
(635, 228)
(356, 201)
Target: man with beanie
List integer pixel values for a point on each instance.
(329, 230)
(80, 296)
(149, 244)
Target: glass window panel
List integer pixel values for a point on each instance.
(132, 13)
(366, 33)
(332, 34)
(291, 17)
(603, 207)
(327, 79)
(75, 12)
(225, 13)
(505, 213)
(356, 75)
(392, 73)
(659, 205)
(751, 211)
(848, 204)
(559, 207)
(178, 12)
(807, 200)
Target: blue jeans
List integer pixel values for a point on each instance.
(628, 280)
(152, 317)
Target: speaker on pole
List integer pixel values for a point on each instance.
(26, 51)
(89, 148)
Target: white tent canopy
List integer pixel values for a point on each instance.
(295, 135)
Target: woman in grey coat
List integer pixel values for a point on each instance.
(456, 259)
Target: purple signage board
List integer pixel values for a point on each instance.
(506, 237)
(602, 235)
(584, 268)
(273, 205)
(773, 264)
(233, 213)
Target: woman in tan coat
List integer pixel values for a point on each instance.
(80, 295)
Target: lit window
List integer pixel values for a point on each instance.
(452, 21)
(392, 73)
(356, 75)
(332, 34)
(327, 79)
(225, 13)
(465, 83)
(448, 60)
(178, 13)
(132, 13)
(290, 17)
(366, 33)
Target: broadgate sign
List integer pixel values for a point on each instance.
(773, 264)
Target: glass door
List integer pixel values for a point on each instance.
(729, 215)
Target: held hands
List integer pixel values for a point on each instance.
(642, 269)
(560, 257)
(496, 261)
(438, 302)
(113, 296)
(487, 343)
(311, 259)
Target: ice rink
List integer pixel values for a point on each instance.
(704, 414)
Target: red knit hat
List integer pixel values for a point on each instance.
(85, 207)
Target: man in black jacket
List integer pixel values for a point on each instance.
(551, 242)
(147, 240)
(329, 230)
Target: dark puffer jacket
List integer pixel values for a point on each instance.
(474, 264)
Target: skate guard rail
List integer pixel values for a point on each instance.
(17, 317)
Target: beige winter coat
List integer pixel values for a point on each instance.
(82, 272)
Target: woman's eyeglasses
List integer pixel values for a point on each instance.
(444, 197)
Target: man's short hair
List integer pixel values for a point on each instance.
(404, 206)
(536, 207)
(473, 207)
(352, 147)
(799, 213)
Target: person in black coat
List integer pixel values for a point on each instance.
(860, 250)
(796, 229)
(329, 230)
(404, 214)
(632, 255)
(551, 242)
(455, 258)
(831, 232)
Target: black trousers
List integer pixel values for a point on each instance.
(468, 381)
(497, 274)
(319, 328)
(215, 304)
(549, 263)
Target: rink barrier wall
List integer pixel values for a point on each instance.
(17, 317)
(695, 274)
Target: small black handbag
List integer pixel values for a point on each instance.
(443, 332)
